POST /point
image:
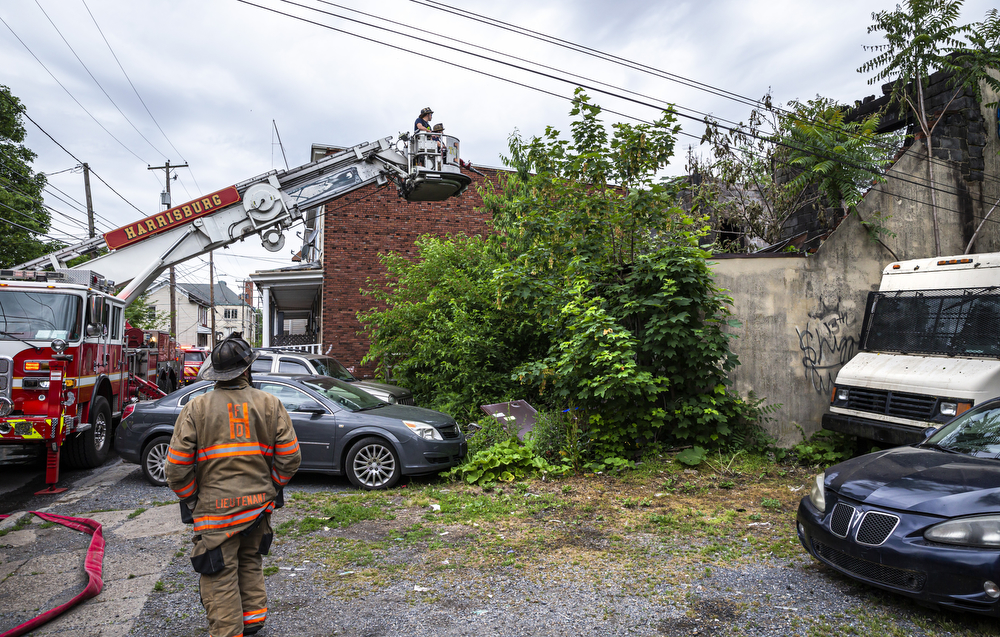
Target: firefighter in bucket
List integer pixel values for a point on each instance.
(232, 452)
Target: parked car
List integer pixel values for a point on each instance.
(922, 520)
(341, 430)
(193, 358)
(285, 362)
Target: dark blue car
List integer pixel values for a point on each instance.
(342, 430)
(922, 521)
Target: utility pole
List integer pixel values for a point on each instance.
(211, 287)
(90, 201)
(173, 275)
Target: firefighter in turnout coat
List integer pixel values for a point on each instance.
(232, 451)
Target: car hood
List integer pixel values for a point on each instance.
(433, 418)
(920, 480)
(382, 388)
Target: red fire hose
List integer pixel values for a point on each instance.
(95, 558)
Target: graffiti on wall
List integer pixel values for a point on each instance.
(826, 344)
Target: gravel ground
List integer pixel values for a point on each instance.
(585, 561)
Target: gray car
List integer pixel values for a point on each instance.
(341, 430)
(289, 362)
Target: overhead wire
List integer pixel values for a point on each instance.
(573, 46)
(136, 91)
(73, 97)
(562, 97)
(99, 85)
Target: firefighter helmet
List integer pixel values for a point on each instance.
(229, 359)
(426, 111)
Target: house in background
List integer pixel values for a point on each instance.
(234, 312)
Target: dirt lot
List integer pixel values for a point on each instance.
(662, 551)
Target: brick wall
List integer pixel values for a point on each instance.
(371, 221)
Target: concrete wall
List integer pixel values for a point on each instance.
(802, 315)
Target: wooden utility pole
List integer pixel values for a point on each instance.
(90, 201)
(173, 276)
(211, 287)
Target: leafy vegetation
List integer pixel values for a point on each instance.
(26, 220)
(921, 38)
(804, 156)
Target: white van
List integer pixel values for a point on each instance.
(929, 349)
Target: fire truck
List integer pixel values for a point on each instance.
(69, 366)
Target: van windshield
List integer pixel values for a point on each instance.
(944, 322)
(39, 315)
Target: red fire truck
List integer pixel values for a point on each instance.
(193, 359)
(69, 366)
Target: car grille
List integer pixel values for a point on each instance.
(875, 528)
(451, 431)
(913, 406)
(406, 400)
(840, 519)
(896, 577)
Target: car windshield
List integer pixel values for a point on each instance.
(194, 357)
(977, 433)
(344, 394)
(39, 315)
(331, 367)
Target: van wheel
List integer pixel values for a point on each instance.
(90, 448)
(372, 464)
(154, 461)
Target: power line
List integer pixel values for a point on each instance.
(85, 68)
(814, 150)
(142, 101)
(631, 64)
(96, 121)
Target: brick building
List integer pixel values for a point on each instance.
(313, 304)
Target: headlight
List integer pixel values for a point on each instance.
(817, 495)
(843, 395)
(949, 409)
(6, 406)
(391, 400)
(423, 430)
(981, 531)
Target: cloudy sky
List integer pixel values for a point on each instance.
(127, 85)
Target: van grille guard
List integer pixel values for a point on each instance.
(938, 322)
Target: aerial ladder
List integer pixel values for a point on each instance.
(65, 361)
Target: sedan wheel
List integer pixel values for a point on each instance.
(372, 464)
(154, 461)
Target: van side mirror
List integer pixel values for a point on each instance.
(94, 329)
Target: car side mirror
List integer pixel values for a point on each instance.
(310, 406)
(94, 329)
(930, 431)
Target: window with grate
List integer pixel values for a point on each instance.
(949, 322)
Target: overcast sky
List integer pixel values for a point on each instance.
(215, 74)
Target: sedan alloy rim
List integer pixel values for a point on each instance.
(374, 465)
(156, 461)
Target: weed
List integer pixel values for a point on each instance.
(134, 514)
(270, 570)
(158, 586)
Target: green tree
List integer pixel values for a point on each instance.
(921, 38)
(784, 160)
(143, 315)
(21, 209)
(612, 271)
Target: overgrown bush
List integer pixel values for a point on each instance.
(825, 448)
(440, 329)
(492, 431)
(505, 461)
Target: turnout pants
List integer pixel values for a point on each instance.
(233, 596)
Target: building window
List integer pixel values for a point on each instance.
(229, 314)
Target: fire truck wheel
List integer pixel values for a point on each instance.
(154, 461)
(90, 449)
(372, 464)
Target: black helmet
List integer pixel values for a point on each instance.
(426, 111)
(229, 359)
